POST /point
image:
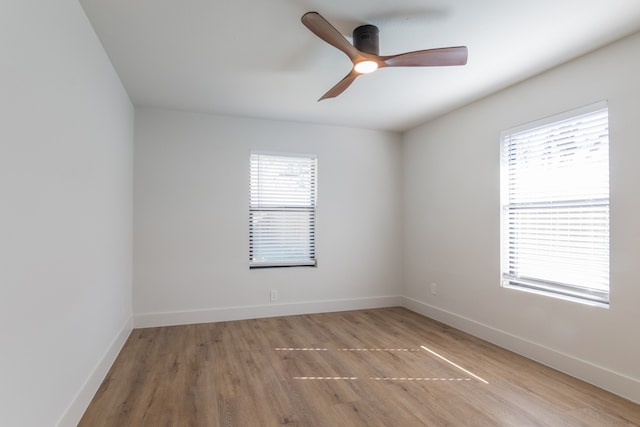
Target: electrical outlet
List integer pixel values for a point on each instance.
(434, 288)
(274, 295)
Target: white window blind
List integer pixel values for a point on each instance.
(282, 210)
(555, 206)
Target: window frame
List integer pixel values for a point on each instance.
(567, 291)
(258, 206)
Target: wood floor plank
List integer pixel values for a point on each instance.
(356, 368)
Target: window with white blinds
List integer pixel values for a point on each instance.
(555, 206)
(282, 210)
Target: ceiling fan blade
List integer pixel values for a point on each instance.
(430, 57)
(341, 86)
(323, 29)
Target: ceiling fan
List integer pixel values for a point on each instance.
(364, 53)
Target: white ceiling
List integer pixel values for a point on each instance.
(255, 58)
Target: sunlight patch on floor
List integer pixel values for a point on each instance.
(383, 379)
(325, 378)
(407, 350)
(300, 349)
(417, 379)
(378, 349)
(455, 365)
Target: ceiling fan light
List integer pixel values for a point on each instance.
(366, 67)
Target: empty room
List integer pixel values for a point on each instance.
(319, 213)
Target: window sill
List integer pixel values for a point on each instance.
(575, 299)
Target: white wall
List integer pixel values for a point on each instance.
(451, 211)
(66, 146)
(191, 219)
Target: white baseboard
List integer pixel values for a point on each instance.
(617, 383)
(147, 320)
(79, 404)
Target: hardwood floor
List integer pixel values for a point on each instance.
(383, 367)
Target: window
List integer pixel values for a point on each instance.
(555, 206)
(282, 210)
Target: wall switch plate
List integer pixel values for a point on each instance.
(274, 295)
(434, 288)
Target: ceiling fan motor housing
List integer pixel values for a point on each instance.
(365, 39)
